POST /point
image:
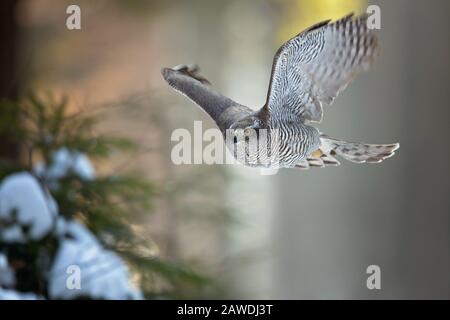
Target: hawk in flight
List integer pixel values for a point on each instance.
(308, 70)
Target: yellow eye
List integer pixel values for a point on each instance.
(247, 132)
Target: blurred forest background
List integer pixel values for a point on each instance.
(226, 231)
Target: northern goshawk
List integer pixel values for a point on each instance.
(308, 70)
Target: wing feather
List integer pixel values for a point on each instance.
(314, 66)
(186, 80)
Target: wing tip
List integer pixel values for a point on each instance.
(317, 25)
(166, 72)
(190, 70)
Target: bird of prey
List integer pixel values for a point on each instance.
(308, 70)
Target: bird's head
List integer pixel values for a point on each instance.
(246, 128)
(251, 140)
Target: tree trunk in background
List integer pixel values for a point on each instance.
(8, 66)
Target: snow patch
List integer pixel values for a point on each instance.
(16, 295)
(65, 162)
(7, 276)
(26, 210)
(103, 275)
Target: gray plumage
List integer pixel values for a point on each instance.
(308, 70)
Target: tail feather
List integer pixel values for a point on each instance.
(357, 152)
(351, 151)
(318, 159)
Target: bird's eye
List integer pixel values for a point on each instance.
(247, 132)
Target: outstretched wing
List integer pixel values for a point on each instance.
(317, 64)
(186, 80)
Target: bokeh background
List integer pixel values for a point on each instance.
(294, 235)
